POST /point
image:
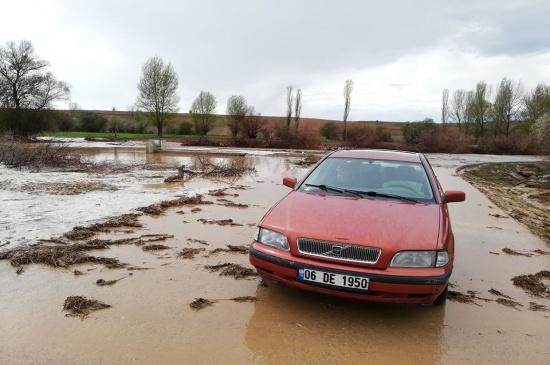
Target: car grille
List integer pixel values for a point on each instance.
(338, 251)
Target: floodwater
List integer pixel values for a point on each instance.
(151, 321)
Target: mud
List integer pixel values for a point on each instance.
(235, 270)
(79, 306)
(283, 325)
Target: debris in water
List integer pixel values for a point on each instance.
(103, 282)
(244, 299)
(498, 293)
(509, 251)
(58, 256)
(79, 306)
(189, 253)
(220, 222)
(541, 252)
(533, 283)
(137, 268)
(496, 215)
(235, 270)
(154, 247)
(494, 253)
(201, 303)
(157, 209)
(194, 240)
(509, 303)
(156, 237)
(535, 307)
(196, 210)
(231, 204)
(19, 270)
(82, 233)
(457, 296)
(220, 192)
(77, 273)
(231, 248)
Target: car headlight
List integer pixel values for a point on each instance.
(420, 259)
(271, 238)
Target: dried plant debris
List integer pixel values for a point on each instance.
(497, 215)
(244, 299)
(533, 283)
(220, 222)
(200, 303)
(155, 237)
(65, 188)
(535, 307)
(231, 204)
(79, 306)
(221, 192)
(235, 270)
(470, 297)
(231, 248)
(189, 253)
(509, 303)
(498, 293)
(82, 233)
(541, 252)
(103, 282)
(196, 210)
(159, 208)
(509, 251)
(194, 240)
(231, 169)
(154, 247)
(58, 256)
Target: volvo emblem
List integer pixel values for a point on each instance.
(336, 250)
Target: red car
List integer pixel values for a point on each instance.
(362, 224)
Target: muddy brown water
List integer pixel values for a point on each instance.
(151, 322)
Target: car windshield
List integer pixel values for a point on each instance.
(375, 177)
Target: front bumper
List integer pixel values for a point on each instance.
(382, 288)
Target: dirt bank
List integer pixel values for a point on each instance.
(521, 189)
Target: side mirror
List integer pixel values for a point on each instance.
(290, 182)
(454, 196)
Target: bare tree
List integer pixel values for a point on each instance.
(297, 110)
(236, 112)
(252, 123)
(445, 107)
(507, 105)
(25, 82)
(458, 107)
(481, 107)
(289, 106)
(469, 111)
(157, 91)
(202, 115)
(348, 88)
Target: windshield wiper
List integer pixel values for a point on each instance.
(382, 195)
(332, 188)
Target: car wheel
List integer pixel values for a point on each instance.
(442, 298)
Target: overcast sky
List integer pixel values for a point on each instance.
(400, 54)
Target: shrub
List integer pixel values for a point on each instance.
(92, 122)
(447, 140)
(26, 122)
(185, 128)
(330, 130)
(361, 136)
(412, 131)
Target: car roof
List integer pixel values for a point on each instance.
(390, 155)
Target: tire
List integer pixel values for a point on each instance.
(442, 298)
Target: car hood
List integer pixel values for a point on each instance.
(391, 225)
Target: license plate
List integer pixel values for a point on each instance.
(334, 279)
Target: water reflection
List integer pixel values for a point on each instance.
(291, 326)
